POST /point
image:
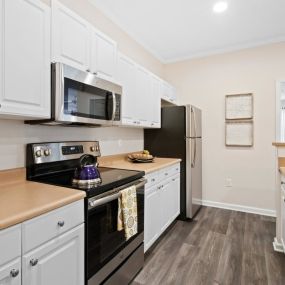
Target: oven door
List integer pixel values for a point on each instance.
(82, 97)
(104, 241)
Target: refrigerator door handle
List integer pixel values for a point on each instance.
(194, 121)
(193, 162)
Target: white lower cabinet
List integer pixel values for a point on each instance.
(57, 262)
(46, 250)
(283, 218)
(162, 203)
(151, 216)
(10, 273)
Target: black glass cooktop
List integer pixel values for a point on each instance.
(110, 177)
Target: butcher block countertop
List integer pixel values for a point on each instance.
(121, 161)
(21, 200)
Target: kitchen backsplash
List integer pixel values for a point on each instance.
(15, 135)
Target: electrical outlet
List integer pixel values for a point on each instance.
(229, 182)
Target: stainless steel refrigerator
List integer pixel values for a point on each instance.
(180, 136)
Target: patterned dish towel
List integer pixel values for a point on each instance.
(128, 212)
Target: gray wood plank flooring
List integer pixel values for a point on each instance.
(219, 247)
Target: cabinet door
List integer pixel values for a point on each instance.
(70, 37)
(24, 58)
(127, 77)
(57, 262)
(283, 218)
(143, 95)
(10, 274)
(175, 186)
(103, 55)
(166, 204)
(151, 223)
(155, 102)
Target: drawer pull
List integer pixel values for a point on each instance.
(60, 224)
(14, 273)
(34, 262)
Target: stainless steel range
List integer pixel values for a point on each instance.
(110, 258)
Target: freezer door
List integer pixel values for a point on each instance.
(193, 176)
(193, 122)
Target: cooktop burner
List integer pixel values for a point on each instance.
(110, 177)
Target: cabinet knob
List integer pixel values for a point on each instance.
(152, 180)
(166, 174)
(34, 262)
(14, 273)
(88, 70)
(282, 183)
(60, 224)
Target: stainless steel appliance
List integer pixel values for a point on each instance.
(181, 136)
(110, 258)
(82, 98)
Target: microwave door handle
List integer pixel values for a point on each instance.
(114, 106)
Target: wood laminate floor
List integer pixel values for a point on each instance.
(219, 247)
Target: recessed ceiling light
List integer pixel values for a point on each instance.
(220, 7)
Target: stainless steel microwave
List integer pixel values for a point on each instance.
(82, 98)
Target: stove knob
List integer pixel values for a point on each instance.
(38, 153)
(91, 203)
(92, 148)
(47, 152)
(97, 147)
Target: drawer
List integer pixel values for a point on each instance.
(152, 179)
(174, 169)
(10, 244)
(45, 227)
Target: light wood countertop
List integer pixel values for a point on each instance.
(21, 200)
(121, 161)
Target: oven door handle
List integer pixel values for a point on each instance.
(96, 203)
(102, 201)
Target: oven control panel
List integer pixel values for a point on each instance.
(52, 152)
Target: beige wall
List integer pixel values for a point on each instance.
(204, 83)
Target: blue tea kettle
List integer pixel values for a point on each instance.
(86, 175)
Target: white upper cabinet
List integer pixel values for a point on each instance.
(70, 37)
(156, 102)
(141, 94)
(143, 101)
(127, 77)
(103, 55)
(168, 92)
(24, 59)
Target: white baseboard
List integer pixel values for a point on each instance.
(277, 245)
(252, 210)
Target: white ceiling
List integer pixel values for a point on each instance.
(174, 30)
